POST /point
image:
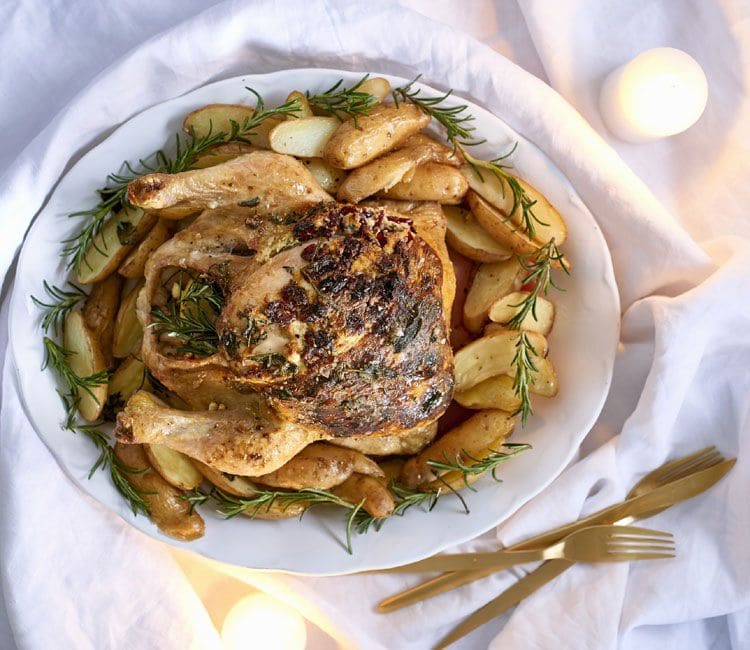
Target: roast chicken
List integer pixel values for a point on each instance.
(333, 324)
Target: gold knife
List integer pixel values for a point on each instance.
(658, 499)
(691, 486)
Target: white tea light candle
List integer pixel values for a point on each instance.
(259, 621)
(661, 92)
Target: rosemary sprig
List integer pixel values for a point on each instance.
(191, 316)
(57, 310)
(109, 461)
(56, 357)
(230, 506)
(524, 366)
(187, 149)
(538, 268)
(477, 466)
(339, 99)
(460, 133)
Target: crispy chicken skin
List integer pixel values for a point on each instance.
(334, 315)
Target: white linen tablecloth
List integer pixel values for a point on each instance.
(73, 575)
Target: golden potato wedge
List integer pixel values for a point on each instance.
(491, 355)
(99, 312)
(175, 468)
(467, 237)
(392, 468)
(377, 87)
(85, 359)
(304, 105)
(305, 137)
(237, 486)
(376, 498)
(134, 264)
(493, 328)
(493, 393)
(439, 152)
(381, 173)
(220, 153)
(544, 378)
(329, 178)
(409, 442)
(167, 509)
(539, 321)
(385, 128)
(131, 375)
(499, 227)
(479, 432)
(215, 118)
(548, 223)
(320, 466)
(430, 182)
(491, 282)
(112, 243)
(128, 333)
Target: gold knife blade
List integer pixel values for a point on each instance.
(700, 482)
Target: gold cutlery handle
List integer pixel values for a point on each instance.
(494, 561)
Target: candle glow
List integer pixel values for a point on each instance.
(259, 621)
(661, 92)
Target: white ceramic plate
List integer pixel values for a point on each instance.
(582, 347)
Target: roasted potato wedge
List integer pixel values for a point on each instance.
(479, 432)
(493, 393)
(381, 173)
(128, 333)
(99, 312)
(329, 178)
(85, 359)
(544, 378)
(167, 509)
(112, 243)
(175, 468)
(215, 118)
(467, 237)
(375, 497)
(305, 137)
(237, 486)
(377, 87)
(304, 105)
(385, 128)
(320, 466)
(405, 443)
(491, 355)
(491, 282)
(439, 152)
(548, 224)
(131, 375)
(220, 153)
(134, 264)
(430, 182)
(499, 227)
(539, 321)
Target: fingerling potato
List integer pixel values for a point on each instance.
(539, 320)
(430, 182)
(470, 437)
(377, 87)
(131, 375)
(492, 355)
(175, 468)
(305, 137)
(216, 118)
(499, 227)
(167, 509)
(304, 105)
(491, 282)
(99, 312)
(376, 498)
(112, 243)
(134, 264)
(467, 237)
(329, 178)
(385, 128)
(237, 486)
(492, 393)
(85, 359)
(221, 153)
(547, 223)
(128, 333)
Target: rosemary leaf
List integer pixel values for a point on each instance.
(56, 310)
(339, 99)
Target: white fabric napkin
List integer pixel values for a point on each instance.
(70, 570)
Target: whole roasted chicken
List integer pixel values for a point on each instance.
(331, 319)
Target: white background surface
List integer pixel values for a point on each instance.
(681, 381)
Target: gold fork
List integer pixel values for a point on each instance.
(663, 475)
(603, 543)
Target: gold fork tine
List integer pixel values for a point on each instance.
(631, 557)
(707, 459)
(634, 531)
